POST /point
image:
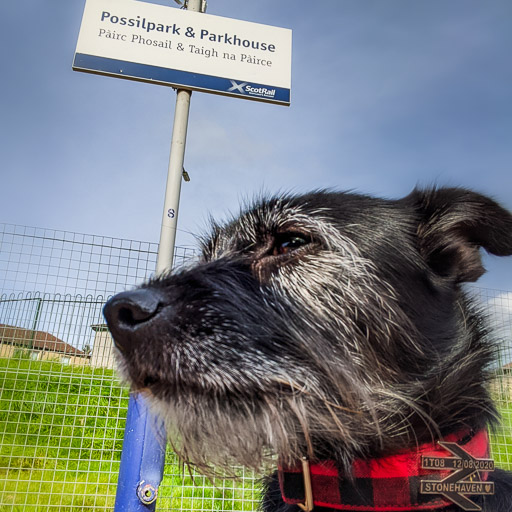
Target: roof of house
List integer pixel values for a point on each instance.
(38, 340)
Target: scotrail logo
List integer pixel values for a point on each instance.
(245, 88)
(237, 87)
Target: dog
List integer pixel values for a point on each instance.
(330, 333)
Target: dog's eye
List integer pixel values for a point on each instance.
(288, 242)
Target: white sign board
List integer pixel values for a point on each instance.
(184, 49)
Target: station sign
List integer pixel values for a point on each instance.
(184, 49)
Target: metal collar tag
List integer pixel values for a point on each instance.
(469, 477)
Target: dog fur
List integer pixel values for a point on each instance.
(332, 325)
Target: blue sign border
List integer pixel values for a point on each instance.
(183, 79)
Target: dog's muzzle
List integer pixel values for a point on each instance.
(129, 314)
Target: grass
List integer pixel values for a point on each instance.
(61, 430)
(501, 441)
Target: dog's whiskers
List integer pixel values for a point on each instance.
(302, 390)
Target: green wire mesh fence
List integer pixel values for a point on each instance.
(62, 409)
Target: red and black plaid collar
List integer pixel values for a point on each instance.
(379, 485)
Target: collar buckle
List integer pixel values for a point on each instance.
(308, 504)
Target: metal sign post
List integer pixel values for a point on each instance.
(174, 178)
(151, 43)
(143, 455)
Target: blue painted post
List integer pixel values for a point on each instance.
(142, 459)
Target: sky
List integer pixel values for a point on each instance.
(386, 95)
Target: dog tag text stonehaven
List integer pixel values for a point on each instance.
(463, 481)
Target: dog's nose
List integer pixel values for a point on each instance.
(128, 312)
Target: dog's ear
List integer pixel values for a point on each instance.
(453, 224)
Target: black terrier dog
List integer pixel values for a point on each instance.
(329, 332)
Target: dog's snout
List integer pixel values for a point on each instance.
(128, 312)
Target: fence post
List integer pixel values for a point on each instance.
(36, 320)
